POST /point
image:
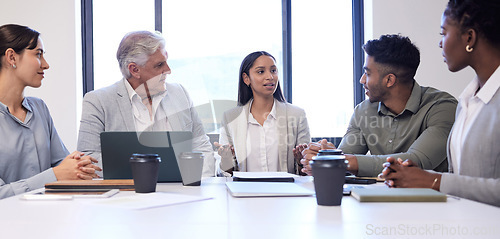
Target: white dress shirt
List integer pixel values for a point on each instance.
(142, 118)
(472, 101)
(262, 143)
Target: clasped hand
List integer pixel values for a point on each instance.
(311, 151)
(77, 166)
(406, 174)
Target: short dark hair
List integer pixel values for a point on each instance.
(397, 54)
(245, 93)
(481, 15)
(18, 38)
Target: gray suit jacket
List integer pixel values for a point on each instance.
(110, 109)
(292, 127)
(479, 176)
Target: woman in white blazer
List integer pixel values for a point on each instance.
(261, 133)
(471, 37)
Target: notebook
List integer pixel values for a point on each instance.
(266, 189)
(118, 146)
(122, 184)
(381, 194)
(348, 188)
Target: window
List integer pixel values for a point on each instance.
(322, 64)
(109, 28)
(207, 40)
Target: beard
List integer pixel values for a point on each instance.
(152, 87)
(377, 93)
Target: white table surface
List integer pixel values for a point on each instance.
(224, 216)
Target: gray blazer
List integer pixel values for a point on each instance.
(110, 109)
(479, 176)
(292, 127)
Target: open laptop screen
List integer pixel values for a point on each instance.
(118, 146)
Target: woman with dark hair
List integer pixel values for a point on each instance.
(261, 134)
(31, 152)
(470, 32)
(245, 92)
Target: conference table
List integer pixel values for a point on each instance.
(221, 215)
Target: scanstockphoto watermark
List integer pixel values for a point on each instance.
(436, 229)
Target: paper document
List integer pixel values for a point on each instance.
(266, 189)
(149, 200)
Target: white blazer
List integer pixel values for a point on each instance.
(292, 127)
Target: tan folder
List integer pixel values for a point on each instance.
(381, 194)
(122, 184)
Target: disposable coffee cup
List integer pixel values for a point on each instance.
(323, 152)
(191, 167)
(145, 172)
(329, 177)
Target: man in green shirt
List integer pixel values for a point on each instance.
(401, 119)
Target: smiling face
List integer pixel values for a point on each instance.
(31, 65)
(372, 80)
(263, 77)
(453, 43)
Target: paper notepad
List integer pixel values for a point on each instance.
(397, 195)
(266, 189)
(148, 200)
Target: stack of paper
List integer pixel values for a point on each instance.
(266, 189)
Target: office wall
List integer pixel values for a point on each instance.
(59, 23)
(421, 21)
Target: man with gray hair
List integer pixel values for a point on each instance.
(142, 100)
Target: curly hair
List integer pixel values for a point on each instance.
(397, 55)
(481, 15)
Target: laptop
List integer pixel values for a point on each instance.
(118, 146)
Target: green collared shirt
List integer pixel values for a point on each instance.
(418, 133)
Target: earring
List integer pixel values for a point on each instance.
(14, 66)
(469, 49)
(248, 85)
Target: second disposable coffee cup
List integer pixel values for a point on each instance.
(329, 177)
(323, 152)
(145, 172)
(191, 166)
